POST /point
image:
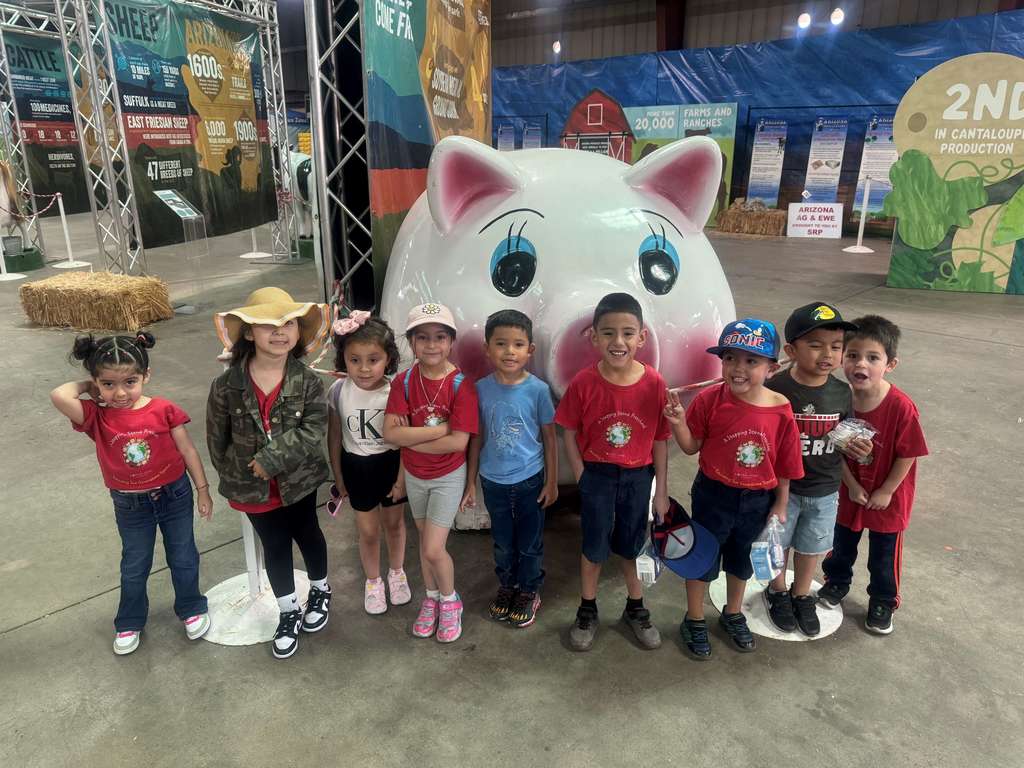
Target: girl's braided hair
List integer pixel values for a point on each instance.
(113, 351)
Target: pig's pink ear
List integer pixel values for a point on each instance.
(686, 173)
(464, 173)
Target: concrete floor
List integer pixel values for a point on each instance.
(945, 689)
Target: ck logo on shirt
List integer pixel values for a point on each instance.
(359, 423)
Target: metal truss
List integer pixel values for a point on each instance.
(340, 148)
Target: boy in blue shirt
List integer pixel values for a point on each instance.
(516, 456)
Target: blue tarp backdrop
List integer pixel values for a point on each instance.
(850, 74)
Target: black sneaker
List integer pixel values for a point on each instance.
(805, 608)
(318, 606)
(695, 635)
(286, 639)
(501, 603)
(735, 625)
(832, 594)
(583, 631)
(524, 609)
(879, 619)
(780, 610)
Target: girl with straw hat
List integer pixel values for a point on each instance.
(265, 423)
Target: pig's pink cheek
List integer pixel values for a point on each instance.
(468, 354)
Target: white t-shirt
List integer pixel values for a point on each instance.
(361, 413)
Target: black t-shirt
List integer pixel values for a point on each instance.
(817, 411)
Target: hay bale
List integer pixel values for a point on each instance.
(96, 301)
(752, 219)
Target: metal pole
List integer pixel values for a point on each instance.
(71, 263)
(322, 236)
(860, 247)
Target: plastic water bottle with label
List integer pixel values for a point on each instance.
(766, 553)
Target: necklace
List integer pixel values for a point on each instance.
(432, 419)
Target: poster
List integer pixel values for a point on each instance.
(766, 161)
(825, 159)
(958, 185)
(43, 102)
(878, 157)
(192, 102)
(819, 220)
(428, 75)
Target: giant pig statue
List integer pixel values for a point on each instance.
(551, 231)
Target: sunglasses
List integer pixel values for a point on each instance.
(336, 501)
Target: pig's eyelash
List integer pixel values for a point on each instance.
(508, 239)
(664, 240)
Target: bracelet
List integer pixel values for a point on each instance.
(202, 487)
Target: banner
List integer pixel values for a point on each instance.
(428, 75)
(43, 103)
(878, 157)
(192, 101)
(958, 186)
(825, 160)
(766, 161)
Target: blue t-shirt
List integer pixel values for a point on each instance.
(510, 420)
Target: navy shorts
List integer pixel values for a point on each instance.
(735, 517)
(615, 502)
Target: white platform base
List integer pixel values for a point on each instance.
(858, 249)
(237, 619)
(757, 614)
(69, 264)
(256, 255)
(7, 276)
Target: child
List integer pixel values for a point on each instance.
(143, 451)
(517, 457)
(265, 422)
(431, 413)
(366, 469)
(615, 442)
(749, 451)
(814, 342)
(878, 495)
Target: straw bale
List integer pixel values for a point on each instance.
(89, 301)
(752, 219)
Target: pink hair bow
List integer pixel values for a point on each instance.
(345, 325)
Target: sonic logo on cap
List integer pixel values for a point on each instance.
(750, 335)
(824, 313)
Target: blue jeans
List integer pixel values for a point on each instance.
(138, 515)
(517, 525)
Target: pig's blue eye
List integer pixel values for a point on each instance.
(513, 264)
(659, 264)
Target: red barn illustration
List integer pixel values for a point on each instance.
(598, 124)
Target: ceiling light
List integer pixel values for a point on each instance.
(837, 17)
(803, 20)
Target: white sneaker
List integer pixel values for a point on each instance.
(374, 600)
(126, 642)
(197, 626)
(398, 586)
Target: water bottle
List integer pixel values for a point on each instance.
(775, 551)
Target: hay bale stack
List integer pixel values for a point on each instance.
(752, 219)
(96, 301)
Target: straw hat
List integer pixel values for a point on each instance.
(272, 306)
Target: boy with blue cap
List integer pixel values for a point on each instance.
(749, 451)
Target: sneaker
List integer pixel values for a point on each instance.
(639, 620)
(502, 602)
(780, 610)
(449, 627)
(197, 626)
(524, 609)
(398, 588)
(426, 622)
(584, 630)
(805, 608)
(832, 594)
(695, 635)
(286, 639)
(374, 599)
(126, 642)
(735, 625)
(318, 606)
(879, 619)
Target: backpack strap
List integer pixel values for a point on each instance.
(405, 381)
(455, 383)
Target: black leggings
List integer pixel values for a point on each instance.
(278, 529)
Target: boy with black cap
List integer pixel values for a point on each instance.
(814, 343)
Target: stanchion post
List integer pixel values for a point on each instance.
(71, 263)
(255, 253)
(860, 247)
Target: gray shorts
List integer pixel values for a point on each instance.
(436, 500)
(810, 522)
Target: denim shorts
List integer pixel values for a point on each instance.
(614, 507)
(735, 517)
(810, 522)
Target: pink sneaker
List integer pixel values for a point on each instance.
(426, 622)
(449, 629)
(373, 599)
(398, 587)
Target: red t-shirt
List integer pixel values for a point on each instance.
(745, 446)
(134, 446)
(899, 437)
(265, 401)
(459, 409)
(615, 424)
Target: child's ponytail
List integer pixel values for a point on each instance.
(111, 351)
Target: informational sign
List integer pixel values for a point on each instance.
(958, 190)
(533, 136)
(766, 161)
(182, 208)
(878, 157)
(506, 137)
(815, 220)
(825, 159)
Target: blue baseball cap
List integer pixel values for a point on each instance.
(685, 547)
(750, 335)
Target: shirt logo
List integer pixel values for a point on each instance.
(750, 454)
(136, 453)
(618, 434)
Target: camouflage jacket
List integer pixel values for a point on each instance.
(294, 456)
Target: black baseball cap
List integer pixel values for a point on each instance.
(814, 315)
